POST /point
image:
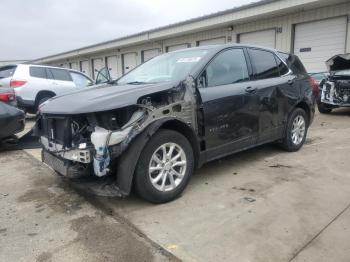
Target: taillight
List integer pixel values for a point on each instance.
(7, 97)
(315, 87)
(17, 83)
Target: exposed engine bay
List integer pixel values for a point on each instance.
(336, 89)
(89, 143)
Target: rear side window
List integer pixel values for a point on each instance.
(264, 64)
(7, 71)
(58, 74)
(283, 69)
(38, 72)
(293, 63)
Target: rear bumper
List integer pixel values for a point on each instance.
(25, 104)
(12, 124)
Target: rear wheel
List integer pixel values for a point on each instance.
(296, 130)
(164, 167)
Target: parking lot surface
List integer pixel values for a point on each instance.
(260, 205)
(43, 219)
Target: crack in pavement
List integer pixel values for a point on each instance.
(319, 233)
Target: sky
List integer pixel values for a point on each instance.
(36, 28)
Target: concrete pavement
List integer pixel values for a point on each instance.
(260, 205)
(43, 219)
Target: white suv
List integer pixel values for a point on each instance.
(34, 84)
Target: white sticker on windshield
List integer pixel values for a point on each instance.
(189, 60)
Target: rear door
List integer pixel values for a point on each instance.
(229, 105)
(274, 87)
(36, 81)
(60, 80)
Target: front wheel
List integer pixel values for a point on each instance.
(324, 108)
(164, 167)
(296, 130)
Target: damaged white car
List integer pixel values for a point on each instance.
(335, 90)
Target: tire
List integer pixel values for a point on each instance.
(40, 101)
(162, 171)
(323, 108)
(293, 141)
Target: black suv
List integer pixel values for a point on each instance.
(152, 127)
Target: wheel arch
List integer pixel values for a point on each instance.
(43, 93)
(303, 105)
(126, 163)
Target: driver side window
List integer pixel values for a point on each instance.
(228, 67)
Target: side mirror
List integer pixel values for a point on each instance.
(103, 76)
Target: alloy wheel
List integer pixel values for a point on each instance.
(167, 167)
(298, 130)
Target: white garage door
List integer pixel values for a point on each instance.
(149, 54)
(84, 67)
(112, 64)
(177, 47)
(98, 65)
(74, 65)
(266, 38)
(214, 41)
(129, 62)
(318, 41)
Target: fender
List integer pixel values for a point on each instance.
(128, 160)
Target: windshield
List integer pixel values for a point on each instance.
(168, 67)
(343, 73)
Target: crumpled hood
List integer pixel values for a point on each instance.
(101, 98)
(338, 62)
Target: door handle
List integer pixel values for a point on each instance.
(290, 82)
(251, 90)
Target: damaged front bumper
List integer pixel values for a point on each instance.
(336, 94)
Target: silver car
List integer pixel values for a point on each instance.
(34, 84)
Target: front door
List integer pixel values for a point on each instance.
(229, 103)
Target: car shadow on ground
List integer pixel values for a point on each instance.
(206, 172)
(344, 111)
